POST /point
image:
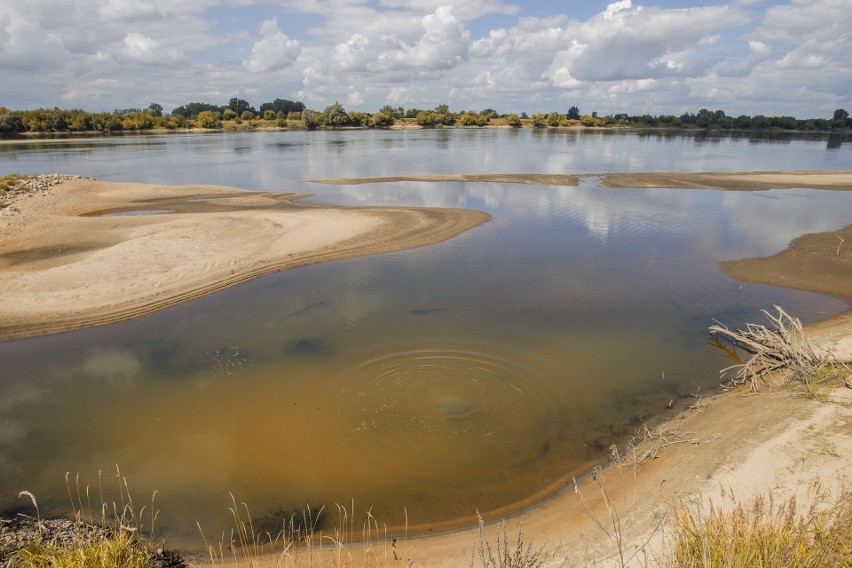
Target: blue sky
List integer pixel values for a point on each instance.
(635, 56)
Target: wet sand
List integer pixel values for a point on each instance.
(64, 265)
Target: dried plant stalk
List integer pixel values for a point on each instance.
(785, 350)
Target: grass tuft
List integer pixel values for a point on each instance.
(118, 551)
(519, 554)
(765, 532)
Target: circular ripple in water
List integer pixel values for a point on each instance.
(452, 416)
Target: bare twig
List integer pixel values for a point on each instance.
(785, 350)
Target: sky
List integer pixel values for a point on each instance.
(751, 57)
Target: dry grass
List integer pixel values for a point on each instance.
(13, 182)
(519, 554)
(299, 540)
(765, 533)
(112, 538)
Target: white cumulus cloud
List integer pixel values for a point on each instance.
(274, 51)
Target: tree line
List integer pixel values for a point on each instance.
(283, 113)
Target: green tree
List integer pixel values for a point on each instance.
(573, 113)
(513, 120)
(356, 118)
(155, 109)
(239, 106)
(270, 115)
(553, 119)
(191, 110)
(283, 105)
(391, 111)
(208, 119)
(247, 115)
(229, 114)
(382, 120)
(311, 119)
(11, 122)
(840, 114)
(335, 115)
(539, 120)
(470, 118)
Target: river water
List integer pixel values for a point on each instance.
(481, 373)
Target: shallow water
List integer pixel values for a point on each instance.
(479, 373)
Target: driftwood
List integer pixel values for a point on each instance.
(785, 351)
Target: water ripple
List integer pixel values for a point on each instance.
(461, 413)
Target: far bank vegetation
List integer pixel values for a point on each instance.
(239, 114)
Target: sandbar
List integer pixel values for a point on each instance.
(730, 181)
(66, 263)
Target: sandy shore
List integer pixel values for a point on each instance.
(63, 265)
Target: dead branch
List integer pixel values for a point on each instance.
(784, 350)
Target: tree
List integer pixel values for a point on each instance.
(840, 114)
(553, 119)
(247, 115)
(335, 115)
(228, 114)
(155, 109)
(283, 105)
(311, 119)
(573, 113)
(208, 119)
(470, 118)
(382, 120)
(539, 120)
(190, 110)
(513, 120)
(239, 106)
(442, 109)
(391, 111)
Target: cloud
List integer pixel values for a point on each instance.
(635, 56)
(440, 43)
(26, 45)
(274, 51)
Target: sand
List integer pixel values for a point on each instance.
(63, 265)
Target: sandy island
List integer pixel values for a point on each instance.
(63, 266)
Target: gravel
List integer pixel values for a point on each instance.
(20, 532)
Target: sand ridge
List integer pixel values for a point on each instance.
(730, 181)
(65, 265)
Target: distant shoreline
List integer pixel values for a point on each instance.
(30, 137)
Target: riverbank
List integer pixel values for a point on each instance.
(88, 252)
(774, 440)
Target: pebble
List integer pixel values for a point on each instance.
(32, 186)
